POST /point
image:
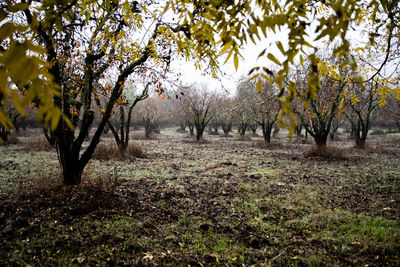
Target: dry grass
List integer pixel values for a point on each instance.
(142, 136)
(38, 144)
(272, 144)
(12, 139)
(106, 151)
(103, 181)
(378, 132)
(326, 153)
(38, 184)
(246, 137)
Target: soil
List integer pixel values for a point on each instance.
(221, 201)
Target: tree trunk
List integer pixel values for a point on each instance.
(267, 129)
(70, 166)
(227, 127)
(298, 129)
(242, 129)
(360, 143)
(199, 132)
(3, 134)
(191, 128)
(320, 140)
(72, 173)
(360, 135)
(182, 125)
(253, 128)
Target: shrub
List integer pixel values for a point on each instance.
(142, 136)
(38, 144)
(245, 137)
(326, 153)
(111, 151)
(12, 139)
(272, 144)
(38, 184)
(378, 132)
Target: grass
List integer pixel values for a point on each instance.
(191, 204)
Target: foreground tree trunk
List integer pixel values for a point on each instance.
(361, 133)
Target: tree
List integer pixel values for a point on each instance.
(221, 22)
(126, 105)
(244, 100)
(13, 116)
(363, 101)
(202, 108)
(151, 110)
(225, 114)
(266, 109)
(318, 111)
(92, 45)
(366, 93)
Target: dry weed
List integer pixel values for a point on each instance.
(108, 151)
(101, 181)
(12, 139)
(245, 137)
(38, 144)
(38, 184)
(326, 153)
(142, 136)
(272, 144)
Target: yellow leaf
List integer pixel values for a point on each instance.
(259, 85)
(225, 47)
(280, 46)
(273, 59)
(55, 118)
(236, 61)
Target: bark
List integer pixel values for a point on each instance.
(199, 132)
(191, 128)
(320, 141)
(253, 128)
(267, 129)
(227, 127)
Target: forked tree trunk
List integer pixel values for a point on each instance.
(226, 127)
(360, 135)
(253, 128)
(267, 129)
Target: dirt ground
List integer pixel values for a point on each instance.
(222, 201)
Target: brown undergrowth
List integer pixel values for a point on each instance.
(107, 151)
(37, 144)
(326, 152)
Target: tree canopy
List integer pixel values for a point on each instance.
(198, 30)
